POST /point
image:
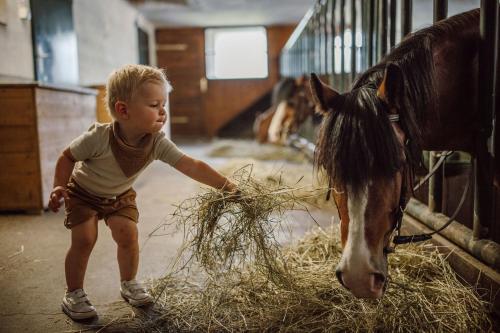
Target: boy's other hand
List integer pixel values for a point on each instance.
(58, 193)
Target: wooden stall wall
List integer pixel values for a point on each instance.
(225, 99)
(36, 124)
(181, 52)
(196, 111)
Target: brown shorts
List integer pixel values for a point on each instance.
(82, 205)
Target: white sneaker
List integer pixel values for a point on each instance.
(77, 306)
(135, 293)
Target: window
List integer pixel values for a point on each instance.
(236, 53)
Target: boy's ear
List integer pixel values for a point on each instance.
(121, 110)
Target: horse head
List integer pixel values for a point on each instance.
(361, 148)
(292, 111)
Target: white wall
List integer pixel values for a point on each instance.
(16, 51)
(107, 37)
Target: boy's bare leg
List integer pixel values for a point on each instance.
(83, 238)
(125, 234)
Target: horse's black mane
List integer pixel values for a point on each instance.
(356, 142)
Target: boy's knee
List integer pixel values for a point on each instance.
(127, 241)
(84, 243)
(126, 237)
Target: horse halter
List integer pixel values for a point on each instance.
(403, 200)
(398, 216)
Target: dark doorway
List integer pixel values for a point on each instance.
(143, 46)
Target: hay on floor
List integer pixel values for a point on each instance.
(224, 232)
(424, 296)
(248, 283)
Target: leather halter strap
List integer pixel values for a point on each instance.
(398, 239)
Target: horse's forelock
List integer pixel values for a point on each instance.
(357, 142)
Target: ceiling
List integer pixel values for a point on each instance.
(209, 13)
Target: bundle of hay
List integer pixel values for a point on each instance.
(300, 177)
(224, 232)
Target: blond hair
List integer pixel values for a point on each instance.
(124, 82)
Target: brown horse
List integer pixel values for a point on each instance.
(291, 106)
(422, 95)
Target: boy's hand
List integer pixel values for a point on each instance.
(56, 195)
(230, 187)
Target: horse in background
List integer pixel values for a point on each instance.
(291, 106)
(422, 95)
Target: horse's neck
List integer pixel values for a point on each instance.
(452, 122)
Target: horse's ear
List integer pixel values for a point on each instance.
(322, 94)
(392, 85)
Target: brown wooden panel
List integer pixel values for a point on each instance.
(20, 181)
(102, 114)
(16, 106)
(17, 139)
(36, 124)
(181, 53)
(219, 109)
(62, 116)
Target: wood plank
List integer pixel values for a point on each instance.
(62, 116)
(16, 107)
(20, 175)
(17, 139)
(185, 66)
(102, 114)
(219, 109)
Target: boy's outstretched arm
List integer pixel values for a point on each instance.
(64, 168)
(203, 173)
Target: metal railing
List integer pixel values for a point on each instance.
(338, 39)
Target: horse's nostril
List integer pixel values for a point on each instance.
(338, 273)
(379, 280)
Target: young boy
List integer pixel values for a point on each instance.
(94, 176)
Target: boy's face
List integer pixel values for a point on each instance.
(147, 108)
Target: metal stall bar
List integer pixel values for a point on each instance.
(299, 36)
(483, 163)
(406, 17)
(310, 45)
(316, 22)
(440, 10)
(333, 28)
(329, 40)
(324, 32)
(353, 40)
(342, 45)
(435, 199)
(371, 31)
(364, 36)
(382, 29)
(392, 29)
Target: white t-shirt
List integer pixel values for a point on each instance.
(97, 170)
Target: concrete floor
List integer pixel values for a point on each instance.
(33, 248)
